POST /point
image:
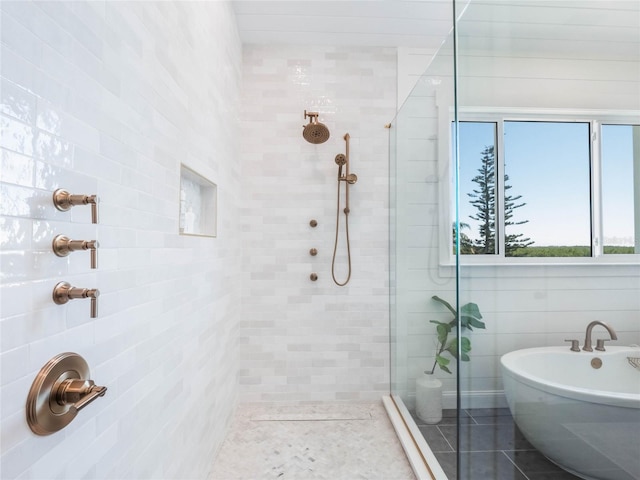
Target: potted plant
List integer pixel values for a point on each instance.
(429, 388)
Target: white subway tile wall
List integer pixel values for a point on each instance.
(109, 98)
(302, 340)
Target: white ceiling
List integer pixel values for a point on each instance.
(358, 23)
(494, 24)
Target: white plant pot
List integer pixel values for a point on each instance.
(429, 398)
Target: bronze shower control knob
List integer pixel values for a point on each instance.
(313, 252)
(313, 277)
(64, 200)
(313, 223)
(63, 292)
(60, 390)
(63, 246)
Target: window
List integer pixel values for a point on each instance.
(621, 188)
(533, 188)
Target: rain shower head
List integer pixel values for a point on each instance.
(315, 132)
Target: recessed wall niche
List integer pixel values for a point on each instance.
(198, 204)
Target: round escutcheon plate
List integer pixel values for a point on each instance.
(45, 415)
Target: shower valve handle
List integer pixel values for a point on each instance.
(78, 393)
(63, 246)
(64, 200)
(63, 292)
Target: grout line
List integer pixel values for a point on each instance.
(446, 439)
(514, 464)
(473, 419)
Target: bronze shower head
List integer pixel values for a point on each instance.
(315, 132)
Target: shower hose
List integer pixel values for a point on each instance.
(335, 244)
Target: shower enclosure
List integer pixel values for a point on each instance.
(515, 186)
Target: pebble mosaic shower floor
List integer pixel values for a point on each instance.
(337, 442)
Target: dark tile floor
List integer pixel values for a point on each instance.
(492, 445)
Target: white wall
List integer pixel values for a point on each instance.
(304, 340)
(524, 306)
(108, 98)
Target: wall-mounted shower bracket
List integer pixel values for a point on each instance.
(350, 179)
(63, 246)
(60, 390)
(313, 116)
(64, 200)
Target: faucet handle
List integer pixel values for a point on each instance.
(63, 292)
(575, 345)
(600, 344)
(63, 201)
(78, 393)
(63, 246)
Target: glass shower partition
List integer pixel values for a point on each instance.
(549, 200)
(420, 180)
(528, 225)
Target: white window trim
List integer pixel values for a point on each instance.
(595, 118)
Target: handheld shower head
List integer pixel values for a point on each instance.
(341, 160)
(314, 132)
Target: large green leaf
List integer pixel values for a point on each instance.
(475, 323)
(442, 363)
(465, 345)
(443, 332)
(467, 321)
(471, 309)
(452, 348)
(446, 304)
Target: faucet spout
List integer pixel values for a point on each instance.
(587, 340)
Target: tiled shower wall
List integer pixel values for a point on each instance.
(303, 340)
(109, 98)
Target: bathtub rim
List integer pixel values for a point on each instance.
(615, 399)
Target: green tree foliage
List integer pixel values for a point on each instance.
(567, 251)
(553, 251)
(513, 241)
(484, 200)
(466, 244)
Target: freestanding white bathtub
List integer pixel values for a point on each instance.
(584, 419)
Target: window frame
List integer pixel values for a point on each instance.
(595, 119)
